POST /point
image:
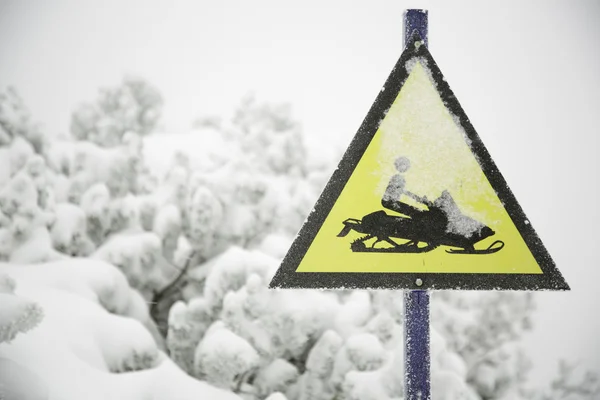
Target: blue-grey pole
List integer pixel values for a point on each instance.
(417, 385)
(416, 345)
(415, 20)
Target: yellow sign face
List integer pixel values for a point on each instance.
(420, 131)
(417, 203)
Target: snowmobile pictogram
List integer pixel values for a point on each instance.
(442, 224)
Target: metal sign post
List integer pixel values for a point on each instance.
(417, 385)
(416, 345)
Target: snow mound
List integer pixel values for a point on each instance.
(80, 350)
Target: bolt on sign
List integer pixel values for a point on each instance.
(417, 202)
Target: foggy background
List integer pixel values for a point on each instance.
(526, 74)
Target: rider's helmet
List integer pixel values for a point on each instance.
(402, 164)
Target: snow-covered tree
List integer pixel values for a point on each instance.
(135, 106)
(16, 121)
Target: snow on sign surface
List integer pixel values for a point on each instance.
(417, 202)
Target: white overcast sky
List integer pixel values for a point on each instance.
(526, 72)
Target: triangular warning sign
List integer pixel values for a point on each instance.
(417, 202)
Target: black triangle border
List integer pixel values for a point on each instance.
(287, 277)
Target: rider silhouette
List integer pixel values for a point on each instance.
(423, 227)
(396, 188)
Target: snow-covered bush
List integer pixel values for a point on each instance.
(135, 106)
(17, 315)
(222, 357)
(269, 136)
(139, 256)
(69, 231)
(95, 203)
(167, 225)
(205, 215)
(86, 163)
(16, 121)
(25, 236)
